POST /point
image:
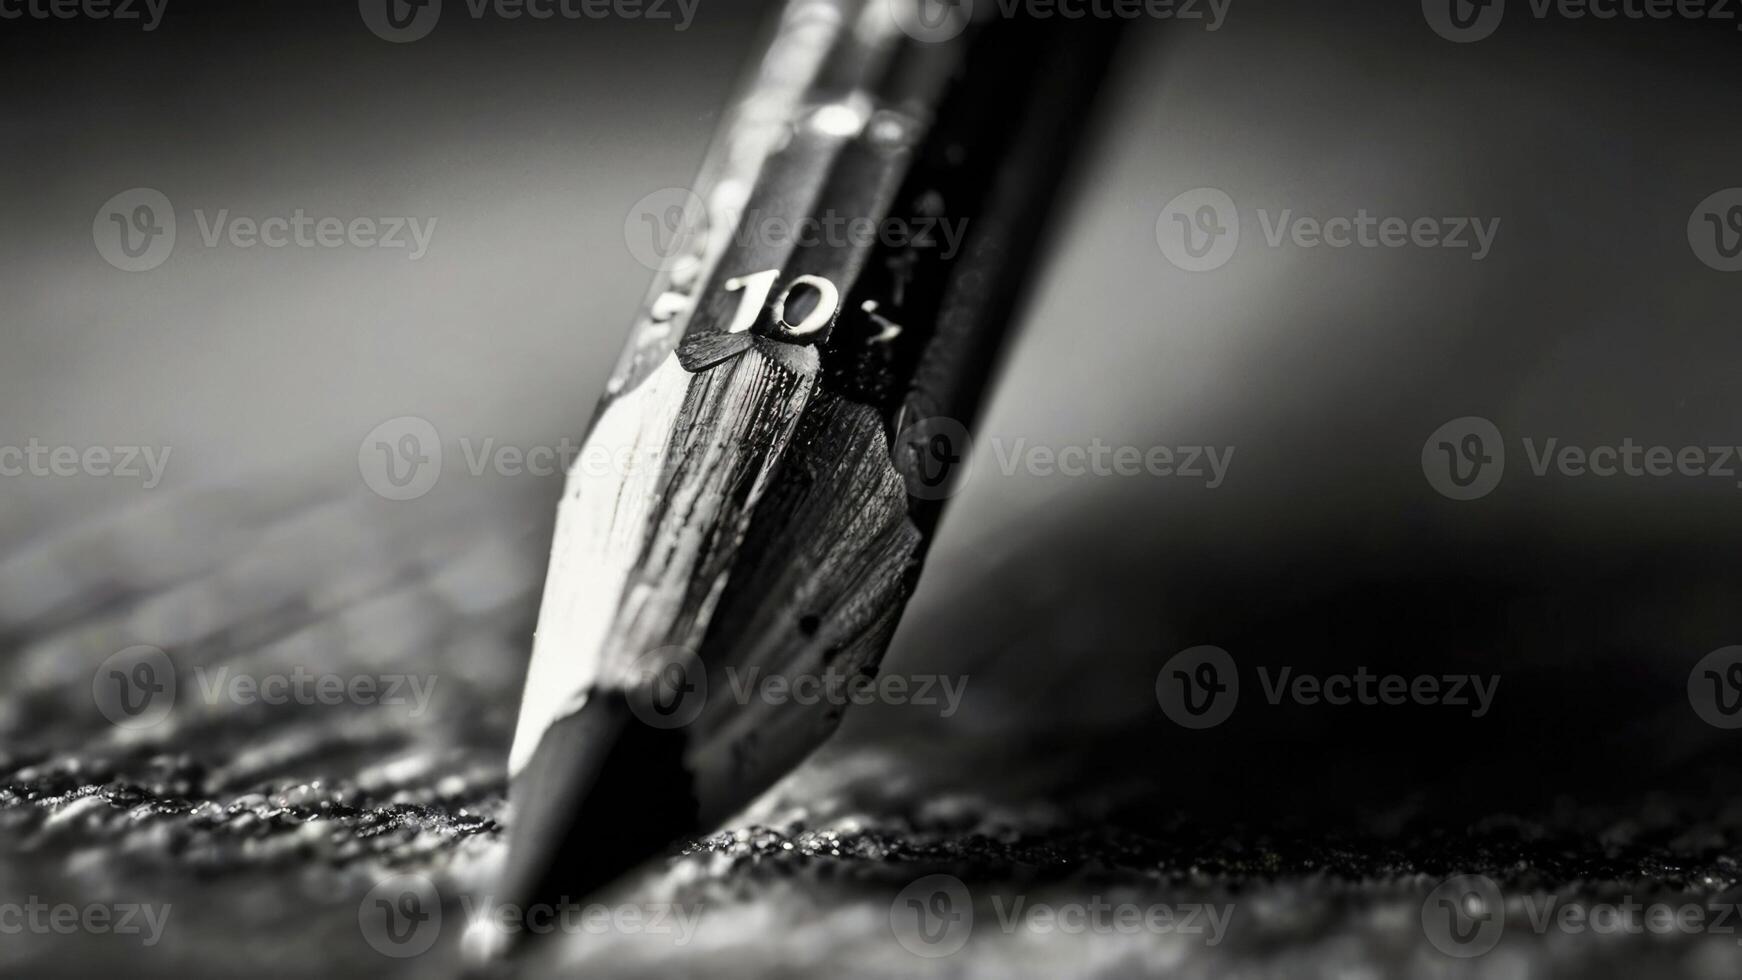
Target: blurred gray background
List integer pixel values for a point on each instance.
(529, 145)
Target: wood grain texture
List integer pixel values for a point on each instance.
(642, 551)
(837, 555)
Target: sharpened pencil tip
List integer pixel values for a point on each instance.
(602, 794)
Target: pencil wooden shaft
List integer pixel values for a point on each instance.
(781, 405)
(712, 389)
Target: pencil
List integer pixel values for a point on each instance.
(787, 420)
